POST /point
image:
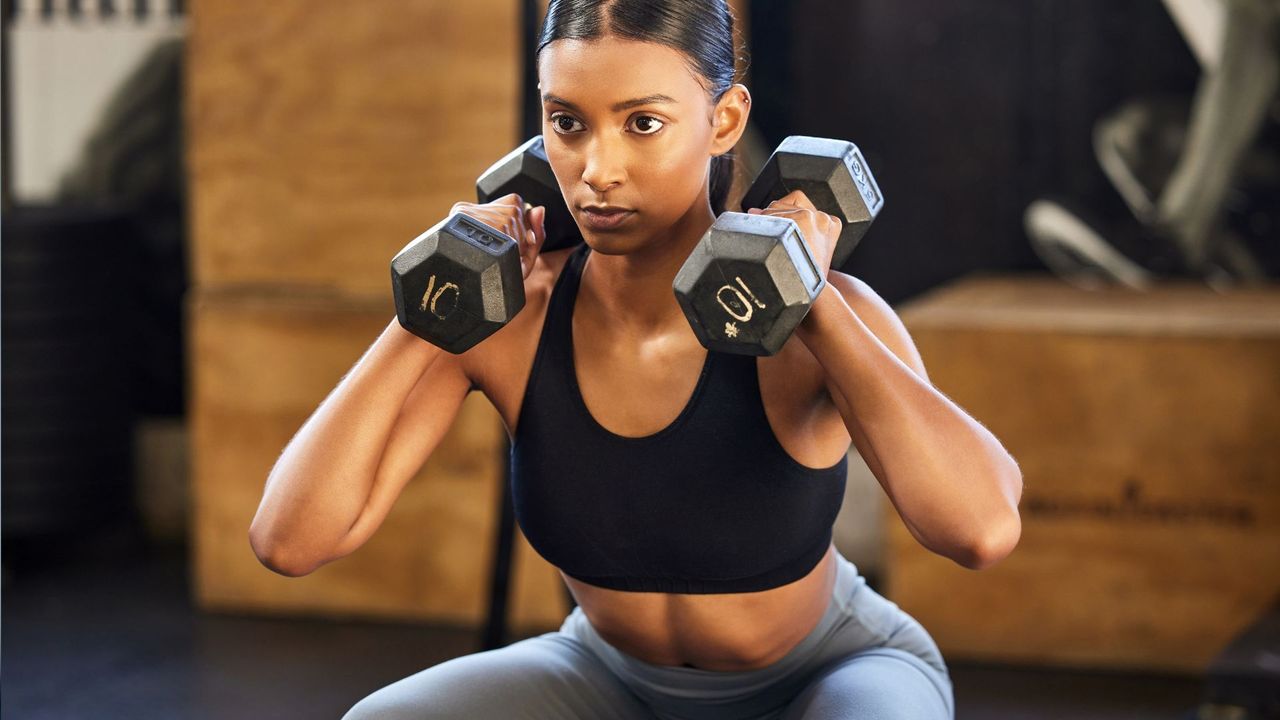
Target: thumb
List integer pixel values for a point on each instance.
(532, 242)
(537, 219)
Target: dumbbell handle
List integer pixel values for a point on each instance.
(804, 163)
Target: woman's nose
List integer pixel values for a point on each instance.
(603, 170)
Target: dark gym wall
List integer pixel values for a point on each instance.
(967, 110)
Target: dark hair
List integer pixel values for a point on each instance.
(700, 29)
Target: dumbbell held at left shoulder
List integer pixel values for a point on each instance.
(753, 276)
(752, 279)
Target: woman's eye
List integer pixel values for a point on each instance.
(648, 125)
(563, 123)
(644, 124)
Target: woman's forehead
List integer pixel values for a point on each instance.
(611, 70)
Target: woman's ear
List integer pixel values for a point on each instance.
(729, 118)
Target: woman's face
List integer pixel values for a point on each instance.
(626, 124)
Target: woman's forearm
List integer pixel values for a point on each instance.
(322, 480)
(953, 483)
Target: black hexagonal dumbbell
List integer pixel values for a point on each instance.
(832, 174)
(457, 283)
(460, 281)
(526, 172)
(751, 279)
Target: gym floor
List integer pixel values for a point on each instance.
(111, 632)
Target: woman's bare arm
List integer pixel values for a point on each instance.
(954, 485)
(338, 477)
(340, 474)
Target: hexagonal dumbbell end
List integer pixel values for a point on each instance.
(526, 172)
(457, 283)
(747, 284)
(832, 174)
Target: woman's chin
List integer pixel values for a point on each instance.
(612, 243)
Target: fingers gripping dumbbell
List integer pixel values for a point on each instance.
(460, 281)
(835, 177)
(526, 172)
(751, 279)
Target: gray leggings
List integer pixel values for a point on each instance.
(867, 659)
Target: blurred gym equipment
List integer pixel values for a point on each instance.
(1178, 191)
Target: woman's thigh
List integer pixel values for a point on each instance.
(549, 676)
(878, 662)
(878, 684)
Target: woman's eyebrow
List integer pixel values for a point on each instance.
(618, 107)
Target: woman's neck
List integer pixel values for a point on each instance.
(634, 290)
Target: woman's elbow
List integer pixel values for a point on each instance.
(996, 545)
(276, 559)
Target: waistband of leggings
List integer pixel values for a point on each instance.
(847, 579)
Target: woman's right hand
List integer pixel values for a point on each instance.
(509, 215)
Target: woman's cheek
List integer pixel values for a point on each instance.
(688, 167)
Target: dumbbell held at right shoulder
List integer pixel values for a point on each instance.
(463, 279)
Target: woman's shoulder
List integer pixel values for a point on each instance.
(509, 352)
(546, 271)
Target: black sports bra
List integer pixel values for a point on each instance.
(710, 504)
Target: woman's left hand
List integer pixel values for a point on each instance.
(820, 230)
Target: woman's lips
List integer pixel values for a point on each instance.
(605, 221)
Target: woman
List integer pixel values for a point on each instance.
(687, 497)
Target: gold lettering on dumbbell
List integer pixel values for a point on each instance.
(431, 300)
(740, 296)
(730, 330)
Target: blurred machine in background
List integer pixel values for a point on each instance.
(1200, 176)
(970, 111)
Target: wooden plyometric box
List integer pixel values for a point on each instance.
(261, 363)
(324, 136)
(1147, 427)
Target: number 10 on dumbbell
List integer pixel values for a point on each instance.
(457, 283)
